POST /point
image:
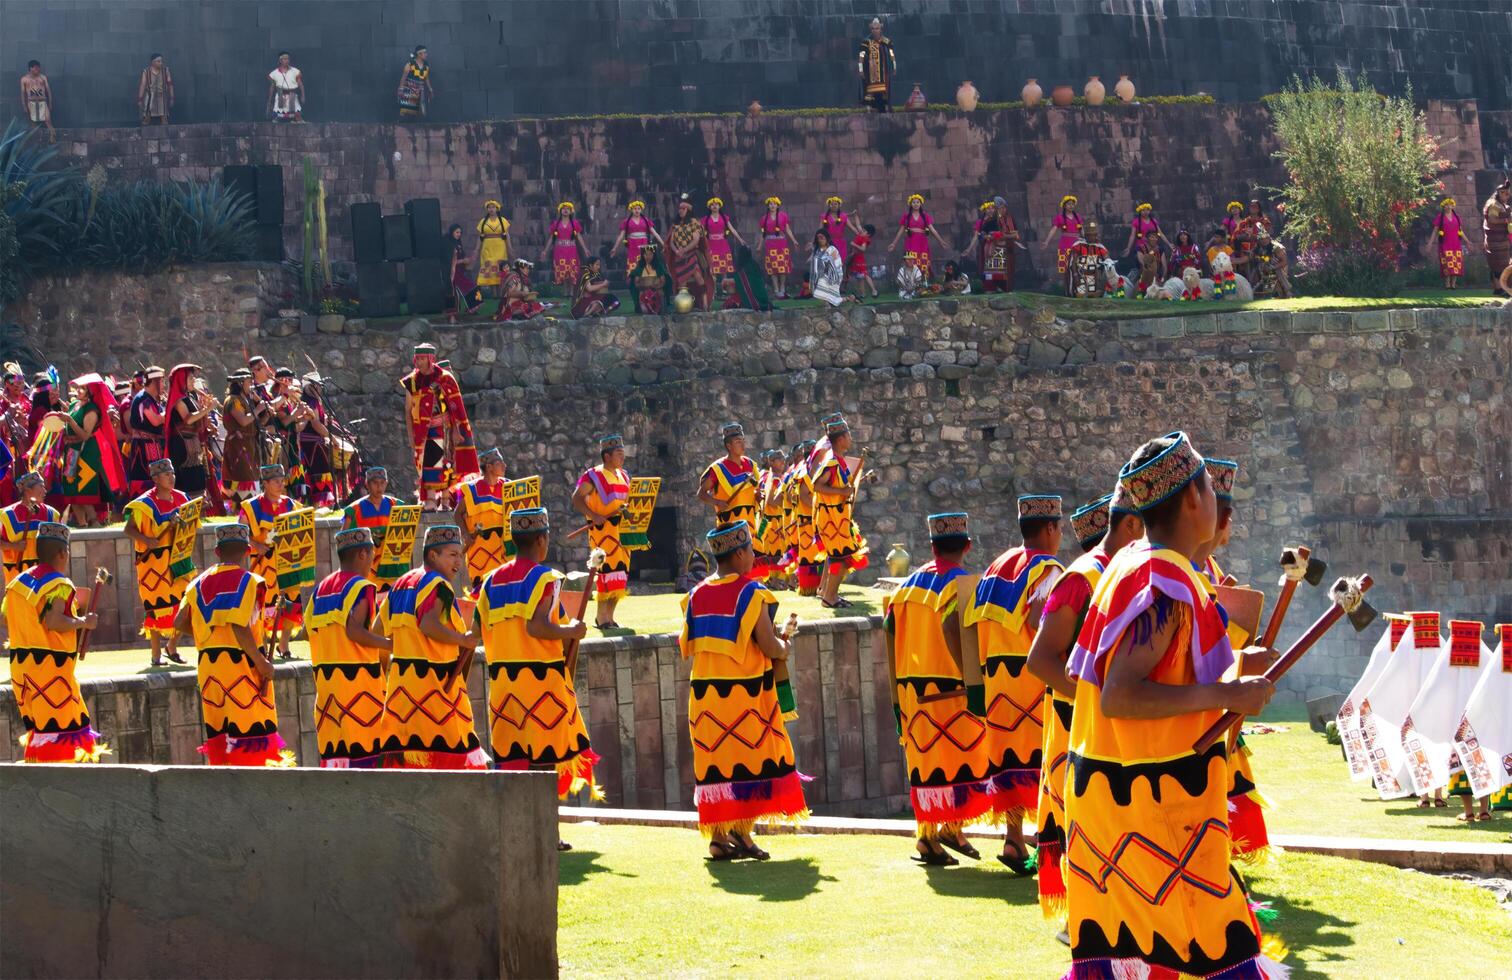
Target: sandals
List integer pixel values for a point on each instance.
(750, 850)
(719, 851)
(1020, 865)
(1483, 815)
(962, 847)
(175, 658)
(563, 846)
(935, 859)
(1425, 804)
(1440, 804)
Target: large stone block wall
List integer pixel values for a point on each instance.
(1190, 160)
(498, 58)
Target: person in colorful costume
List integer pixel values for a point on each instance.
(493, 244)
(771, 542)
(1101, 528)
(730, 485)
(45, 616)
(806, 550)
(941, 720)
(1231, 220)
(1450, 237)
(240, 412)
(349, 658)
(917, 225)
(600, 496)
(144, 419)
(1006, 611)
(151, 520)
(222, 611)
(517, 301)
(834, 490)
(1150, 889)
(777, 244)
(480, 514)
(687, 260)
(284, 608)
(430, 719)
(1152, 265)
(373, 512)
(637, 231)
(729, 635)
(1224, 284)
(997, 253)
(1247, 235)
(414, 92)
(592, 296)
(876, 63)
(534, 720)
(651, 283)
(718, 230)
(1068, 223)
(1184, 255)
(1084, 265)
(1496, 214)
(1143, 225)
(19, 523)
(838, 223)
(1268, 267)
(467, 296)
(92, 479)
(564, 240)
(440, 434)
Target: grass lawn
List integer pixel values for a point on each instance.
(639, 901)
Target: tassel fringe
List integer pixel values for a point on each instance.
(81, 746)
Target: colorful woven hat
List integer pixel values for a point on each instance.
(160, 466)
(232, 534)
(836, 425)
(271, 472)
(154, 372)
(1164, 476)
(31, 478)
(1091, 520)
(952, 525)
(731, 430)
(353, 537)
(773, 455)
(375, 473)
(1222, 472)
(440, 535)
(52, 531)
(426, 348)
(529, 520)
(1039, 505)
(729, 538)
(615, 441)
(1120, 502)
(494, 455)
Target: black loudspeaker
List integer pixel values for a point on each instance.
(425, 227)
(242, 180)
(367, 232)
(425, 291)
(270, 244)
(378, 289)
(270, 198)
(396, 238)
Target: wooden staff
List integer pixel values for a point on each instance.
(1297, 564)
(570, 648)
(102, 578)
(1347, 598)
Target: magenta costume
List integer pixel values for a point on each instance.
(1184, 257)
(637, 236)
(776, 251)
(1142, 227)
(1451, 248)
(916, 242)
(565, 261)
(1070, 228)
(721, 257)
(836, 227)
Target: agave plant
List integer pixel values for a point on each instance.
(46, 210)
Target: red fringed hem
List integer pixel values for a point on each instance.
(1052, 885)
(1013, 793)
(758, 800)
(808, 576)
(257, 750)
(574, 774)
(850, 563)
(957, 804)
(1247, 826)
(476, 759)
(76, 746)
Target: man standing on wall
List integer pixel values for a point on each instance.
(37, 99)
(876, 64)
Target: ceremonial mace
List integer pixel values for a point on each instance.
(596, 559)
(1297, 565)
(1347, 598)
(102, 578)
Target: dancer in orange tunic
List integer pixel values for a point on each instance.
(729, 484)
(19, 523)
(600, 496)
(480, 514)
(349, 658)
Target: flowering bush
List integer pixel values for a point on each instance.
(1360, 168)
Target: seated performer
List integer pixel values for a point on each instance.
(349, 659)
(373, 512)
(729, 485)
(222, 610)
(430, 717)
(1005, 611)
(44, 615)
(524, 635)
(1148, 665)
(517, 301)
(1101, 527)
(600, 496)
(728, 633)
(19, 523)
(151, 520)
(834, 503)
(285, 608)
(480, 514)
(771, 543)
(947, 777)
(591, 296)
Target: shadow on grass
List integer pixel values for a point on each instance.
(791, 880)
(1413, 816)
(576, 867)
(981, 880)
(1305, 927)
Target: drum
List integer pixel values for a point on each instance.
(54, 424)
(342, 452)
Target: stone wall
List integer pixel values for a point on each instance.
(498, 58)
(1190, 160)
(135, 871)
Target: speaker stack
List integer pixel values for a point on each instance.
(262, 185)
(382, 244)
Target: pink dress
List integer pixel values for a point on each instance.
(721, 256)
(637, 235)
(916, 242)
(1451, 248)
(565, 262)
(1070, 227)
(836, 226)
(776, 250)
(1142, 227)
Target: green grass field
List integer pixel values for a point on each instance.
(638, 901)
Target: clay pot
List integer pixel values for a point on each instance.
(916, 101)
(967, 96)
(1095, 91)
(898, 560)
(1032, 93)
(1124, 89)
(683, 301)
(755, 108)
(1062, 96)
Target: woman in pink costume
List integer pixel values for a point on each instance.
(1451, 243)
(718, 230)
(564, 240)
(635, 232)
(917, 225)
(1069, 224)
(777, 243)
(839, 225)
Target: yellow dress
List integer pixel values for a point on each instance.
(261, 517)
(160, 586)
(42, 664)
(483, 517)
(844, 547)
(19, 522)
(608, 491)
(493, 248)
(735, 483)
(349, 719)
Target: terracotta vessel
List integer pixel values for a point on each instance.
(898, 560)
(755, 108)
(1062, 96)
(916, 101)
(1095, 91)
(683, 301)
(1032, 93)
(1124, 89)
(967, 96)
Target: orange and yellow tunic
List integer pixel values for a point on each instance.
(160, 586)
(1015, 697)
(430, 719)
(808, 549)
(42, 663)
(1149, 883)
(771, 542)
(349, 720)
(735, 482)
(534, 721)
(19, 522)
(944, 744)
(375, 517)
(743, 762)
(607, 494)
(483, 517)
(261, 517)
(844, 547)
(236, 704)
(1072, 589)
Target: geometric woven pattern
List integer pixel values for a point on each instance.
(924, 732)
(1015, 714)
(365, 709)
(750, 729)
(1156, 888)
(30, 690)
(449, 707)
(243, 692)
(514, 713)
